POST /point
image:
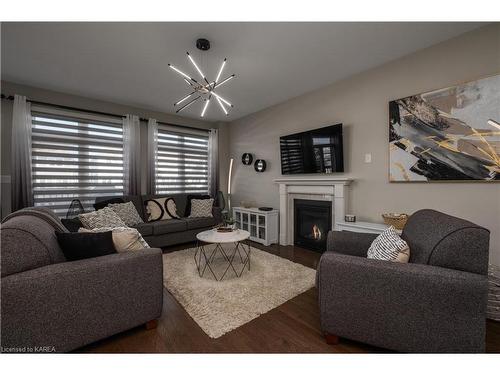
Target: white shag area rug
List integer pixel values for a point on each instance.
(219, 307)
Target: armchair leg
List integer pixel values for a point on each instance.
(331, 339)
(152, 324)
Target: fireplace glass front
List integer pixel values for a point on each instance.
(312, 221)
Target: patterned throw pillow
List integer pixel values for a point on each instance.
(201, 207)
(127, 212)
(190, 197)
(102, 218)
(124, 238)
(161, 209)
(389, 246)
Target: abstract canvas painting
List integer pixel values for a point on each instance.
(447, 134)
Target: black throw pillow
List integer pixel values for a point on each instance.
(104, 203)
(72, 224)
(194, 196)
(76, 246)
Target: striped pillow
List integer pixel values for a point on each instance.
(389, 246)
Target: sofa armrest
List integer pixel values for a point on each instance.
(402, 306)
(68, 305)
(351, 243)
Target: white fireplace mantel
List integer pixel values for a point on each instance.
(326, 188)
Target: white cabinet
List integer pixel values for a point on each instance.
(262, 225)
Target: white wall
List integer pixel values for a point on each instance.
(361, 104)
(38, 94)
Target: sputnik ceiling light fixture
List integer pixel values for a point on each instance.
(203, 90)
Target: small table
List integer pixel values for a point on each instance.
(218, 238)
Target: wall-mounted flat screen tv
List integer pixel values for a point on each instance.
(314, 151)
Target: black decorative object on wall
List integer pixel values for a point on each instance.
(247, 158)
(260, 165)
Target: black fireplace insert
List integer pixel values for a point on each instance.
(312, 221)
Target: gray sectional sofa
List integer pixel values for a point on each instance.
(169, 232)
(49, 304)
(435, 303)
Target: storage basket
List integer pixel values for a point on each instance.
(398, 221)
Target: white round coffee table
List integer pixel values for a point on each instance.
(204, 256)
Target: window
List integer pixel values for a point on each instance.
(181, 161)
(75, 155)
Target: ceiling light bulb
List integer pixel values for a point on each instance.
(181, 73)
(205, 107)
(221, 105)
(184, 98)
(196, 66)
(188, 104)
(494, 123)
(220, 70)
(221, 98)
(224, 81)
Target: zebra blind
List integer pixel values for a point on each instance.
(292, 160)
(75, 156)
(181, 164)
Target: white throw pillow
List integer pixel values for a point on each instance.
(161, 209)
(201, 207)
(389, 246)
(127, 212)
(124, 238)
(104, 217)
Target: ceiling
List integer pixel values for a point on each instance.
(126, 63)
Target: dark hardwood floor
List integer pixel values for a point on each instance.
(290, 328)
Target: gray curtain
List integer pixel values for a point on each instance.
(213, 162)
(152, 145)
(22, 186)
(131, 155)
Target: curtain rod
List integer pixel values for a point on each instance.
(11, 97)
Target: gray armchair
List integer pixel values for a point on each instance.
(55, 305)
(435, 303)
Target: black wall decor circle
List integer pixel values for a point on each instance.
(247, 158)
(260, 165)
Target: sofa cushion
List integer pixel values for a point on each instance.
(145, 229)
(389, 246)
(72, 224)
(169, 226)
(135, 199)
(158, 209)
(127, 212)
(199, 222)
(201, 207)
(102, 202)
(190, 197)
(180, 202)
(105, 217)
(124, 239)
(77, 246)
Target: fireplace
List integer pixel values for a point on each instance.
(313, 220)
